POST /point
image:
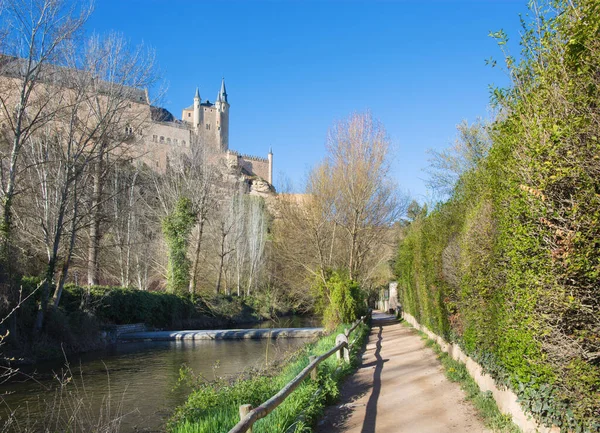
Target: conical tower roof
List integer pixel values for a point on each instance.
(222, 96)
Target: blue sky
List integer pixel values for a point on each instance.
(293, 68)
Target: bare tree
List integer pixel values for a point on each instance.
(91, 121)
(256, 235)
(223, 227)
(118, 74)
(204, 199)
(36, 33)
(366, 199)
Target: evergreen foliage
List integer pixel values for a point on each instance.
(340, 299)
(177, 228)
(509, 266)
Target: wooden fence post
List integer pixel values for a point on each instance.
(313, 373)
(244, 410)
(343, 353)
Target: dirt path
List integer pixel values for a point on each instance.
(400, 387)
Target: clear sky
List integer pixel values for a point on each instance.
(292, 68)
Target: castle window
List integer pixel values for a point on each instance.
(189, 114)
(208, 126)
(174, 141)
(168, 141)
(155, 138)
(183, 142)
(162, 139)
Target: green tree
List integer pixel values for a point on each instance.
(177, 228)
(340, 299)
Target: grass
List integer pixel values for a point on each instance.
(213, 407)
(483, 401)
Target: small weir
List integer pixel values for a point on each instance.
(222, 334)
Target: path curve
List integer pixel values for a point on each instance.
(400, 387)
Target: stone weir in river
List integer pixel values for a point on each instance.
(224, 334)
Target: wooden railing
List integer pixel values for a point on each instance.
(248, 415)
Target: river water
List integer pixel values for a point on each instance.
(134, 380)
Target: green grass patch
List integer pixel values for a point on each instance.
(483, 401)
(213, 407)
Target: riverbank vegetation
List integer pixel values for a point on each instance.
(88, 312)
(508, 266)
(214, 406)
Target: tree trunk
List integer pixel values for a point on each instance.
(67, 262)
(353, 235)
(218, 285)
(94, 245)
(221, 259)
(51, 266)
(196, 258)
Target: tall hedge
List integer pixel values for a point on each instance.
(509, 266)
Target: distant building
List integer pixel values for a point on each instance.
(204, 124)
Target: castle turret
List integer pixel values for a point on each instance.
(197, 109)
(222, 106)
(222, 96)
(270, 159)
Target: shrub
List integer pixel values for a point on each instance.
(341, 300)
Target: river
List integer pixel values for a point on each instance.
(135, 380)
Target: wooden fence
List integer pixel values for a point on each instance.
(248, 415)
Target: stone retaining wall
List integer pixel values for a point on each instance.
(505, 399)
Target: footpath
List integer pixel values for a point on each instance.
(400, 387)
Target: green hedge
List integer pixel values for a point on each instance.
(509, 266)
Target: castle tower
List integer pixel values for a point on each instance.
(197, 109)
(270, 159)
(222, 106)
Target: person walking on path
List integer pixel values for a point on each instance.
(399, 387)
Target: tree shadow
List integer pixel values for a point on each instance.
(371, 408)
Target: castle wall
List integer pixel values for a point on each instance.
(169, 134)
(258, 166)
(161, 139)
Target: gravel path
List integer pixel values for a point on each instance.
(400, 387)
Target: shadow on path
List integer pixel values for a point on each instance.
(370, 420)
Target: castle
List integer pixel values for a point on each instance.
(153, 132)
(203, 124)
